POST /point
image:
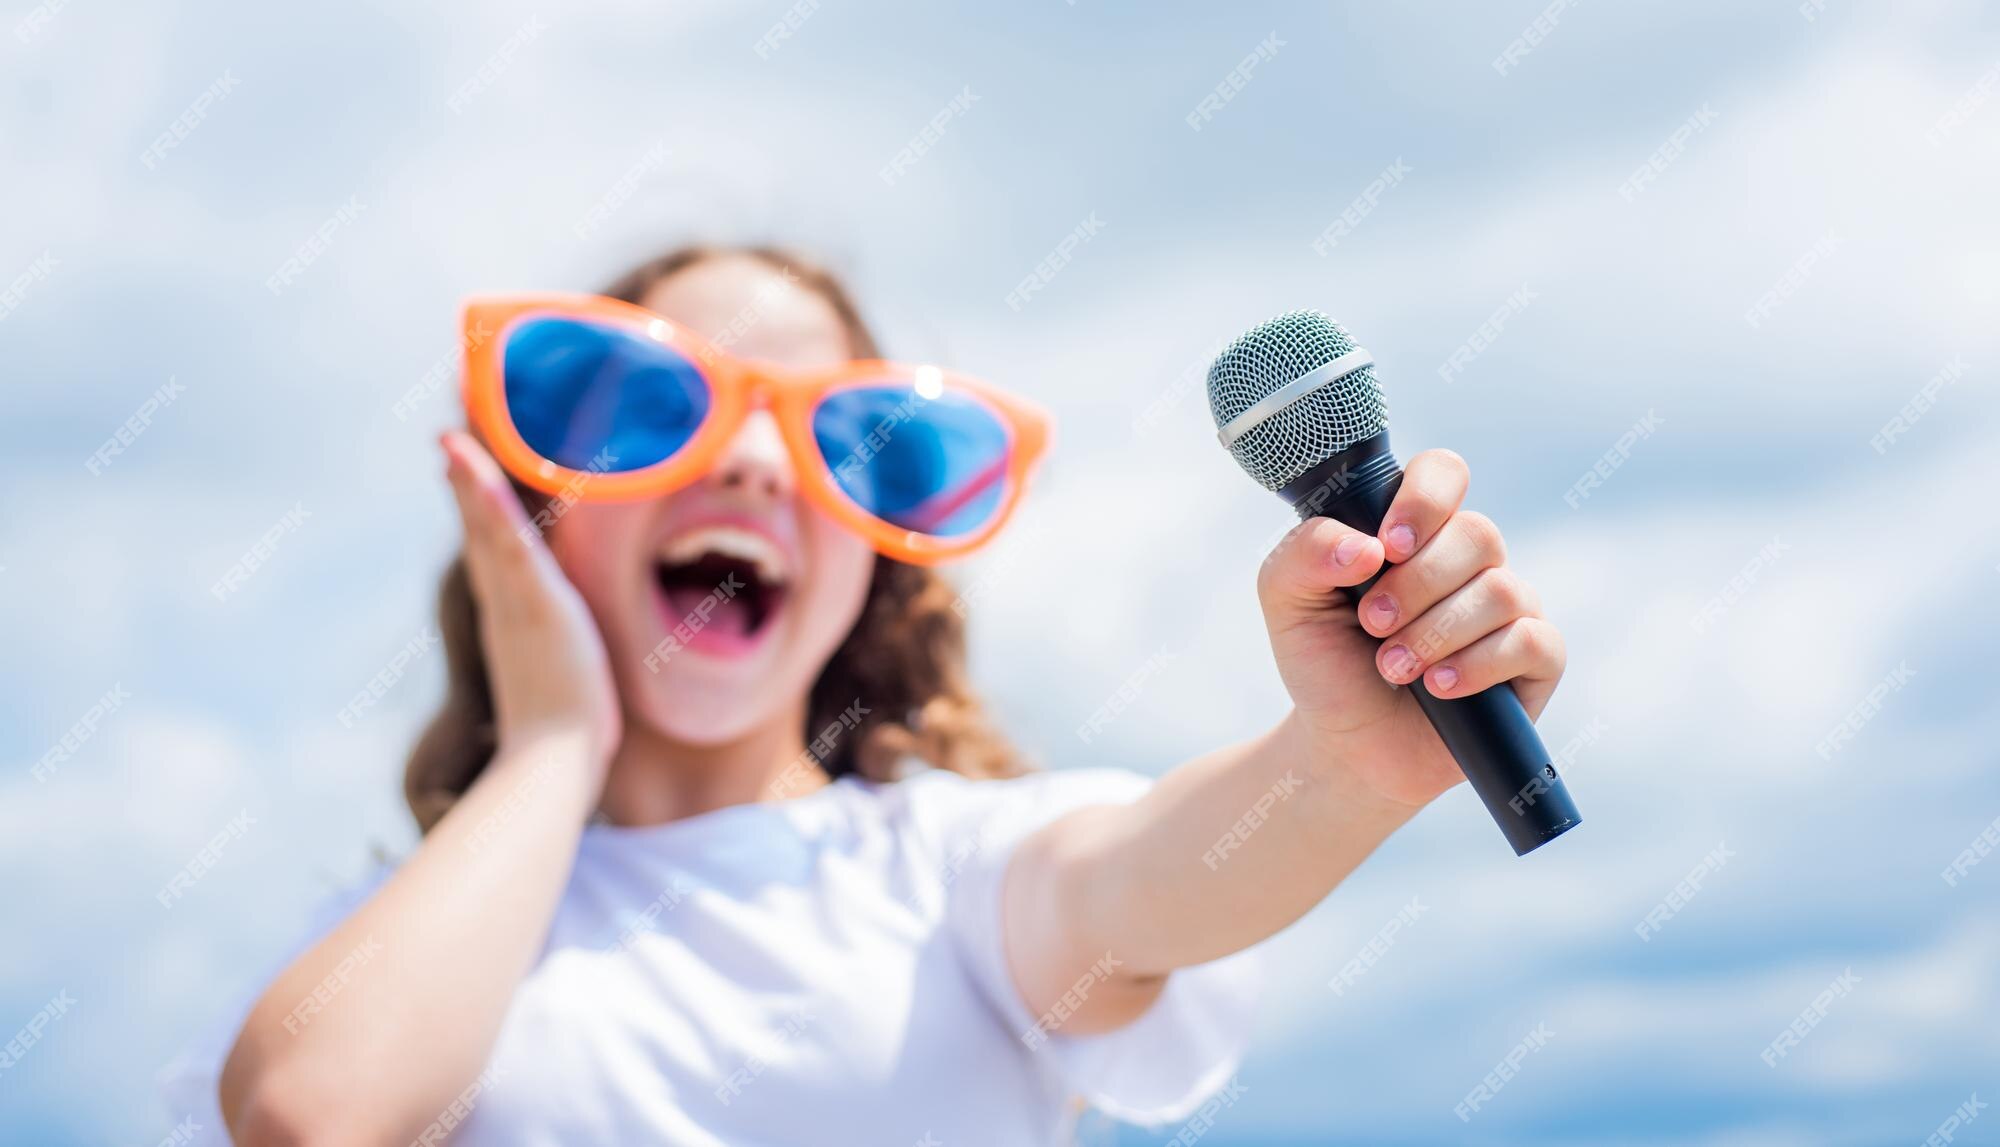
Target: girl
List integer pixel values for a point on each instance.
(718, 845)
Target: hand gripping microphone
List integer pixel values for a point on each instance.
(1297, 403)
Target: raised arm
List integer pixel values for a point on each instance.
(1235, 845)
(375, 1030)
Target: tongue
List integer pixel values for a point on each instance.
(730, 615)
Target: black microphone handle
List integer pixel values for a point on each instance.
(1488, 733)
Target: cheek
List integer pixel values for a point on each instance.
(593, 544)
(842, 567)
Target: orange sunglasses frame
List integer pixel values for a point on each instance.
(737, 388)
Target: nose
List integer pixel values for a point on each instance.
(755, 465)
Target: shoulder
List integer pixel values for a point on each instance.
(944, 806)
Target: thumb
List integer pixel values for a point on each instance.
(1318, 556)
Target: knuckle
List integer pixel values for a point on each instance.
(1425, 504)
(1267, 570)
(1428, 642)
(1321, 535)
(509, 551)
(477, 508)
(1482, 533)
(1539, 640)
(1453, 628)
(1530, 601)
(1506, 589)
(1304, 538)
(1320, 530)
(1264, 575)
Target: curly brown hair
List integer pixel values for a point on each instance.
(904, 660)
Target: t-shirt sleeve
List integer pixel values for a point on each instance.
(189, 1081)
(1156, 1069)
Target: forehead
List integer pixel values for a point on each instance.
(753, 310)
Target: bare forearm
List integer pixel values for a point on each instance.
(1238, 844)
(394, 1012)
(1225, 851)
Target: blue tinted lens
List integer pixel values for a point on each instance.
(593, 397)
(937, 466)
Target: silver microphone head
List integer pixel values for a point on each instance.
(1291, 393)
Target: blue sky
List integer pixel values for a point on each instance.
(1818, 130)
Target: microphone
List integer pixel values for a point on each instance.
(1298, 405)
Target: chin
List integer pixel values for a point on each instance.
(696, 702)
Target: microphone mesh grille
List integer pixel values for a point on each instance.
(1313, 428)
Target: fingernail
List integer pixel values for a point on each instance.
(1350, 548)
(1401, 662)
(1402, 539)
(1383, 607)
(1444, 677)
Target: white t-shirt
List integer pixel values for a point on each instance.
(827, 969)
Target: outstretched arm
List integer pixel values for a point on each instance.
(1235, 845)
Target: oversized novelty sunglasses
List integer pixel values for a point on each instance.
(600, 399)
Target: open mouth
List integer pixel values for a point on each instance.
(722, 587)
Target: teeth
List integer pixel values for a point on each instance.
(729, 541)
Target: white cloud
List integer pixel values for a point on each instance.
(1145, 541)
